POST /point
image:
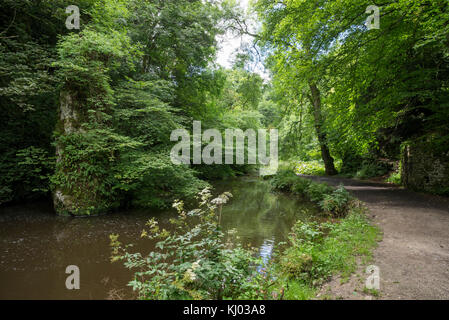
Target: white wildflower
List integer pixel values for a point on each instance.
(190, 275)
(196, 265)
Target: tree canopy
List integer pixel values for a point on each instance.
(87, 114)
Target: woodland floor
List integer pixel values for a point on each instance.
(413, 256)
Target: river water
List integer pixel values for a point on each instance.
(36, 246)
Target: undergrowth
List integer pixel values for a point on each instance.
(197, 260)
(318, 250)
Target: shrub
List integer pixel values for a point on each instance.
(318, 250)
(336, 203)
(371, 168)
(284, 180)
(296, 264)
(394, 178)
(25, 174)
(306, 232)
(333, 201)
(316, 191)
(300, 186)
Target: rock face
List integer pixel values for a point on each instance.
(68, 113)
(77, 192)
(67, 124)
(424, 169)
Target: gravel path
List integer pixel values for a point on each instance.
(413, 256)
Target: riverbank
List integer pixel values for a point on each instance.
(36, 245)
(335, 247)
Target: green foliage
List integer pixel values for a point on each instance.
(88, 148)
(316, 192)
(138, 69)
(242, 90)
(319, 250)
(284, 180)
(442, 191)
(33, 167)
(314, 168)
(27, 97)
(269, 109)
(296, 290)
(371, 169)
(36, 165)
(364, 167)
(145, 172)
(336, 203)
(306, 232)
(394, 178)
(378, 88)
(152, 180)
(85, 59)
(193, 259)
(113, 91)
(300, 186)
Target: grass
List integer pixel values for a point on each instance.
(296, 290)
(319, 250)
(372, 292)
(309, 264)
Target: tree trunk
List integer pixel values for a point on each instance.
(315, 99)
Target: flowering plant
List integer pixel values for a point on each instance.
(195, 260)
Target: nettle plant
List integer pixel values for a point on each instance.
(337, 203)
(195, 260)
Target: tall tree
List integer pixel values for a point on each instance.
(368, 81)
(294, 51)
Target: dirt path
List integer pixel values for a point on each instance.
(413, 256)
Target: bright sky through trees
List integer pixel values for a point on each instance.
(230, 43)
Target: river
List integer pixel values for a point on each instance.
(36, 246)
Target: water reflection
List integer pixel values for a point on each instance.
(266, 250)
(259, 215)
